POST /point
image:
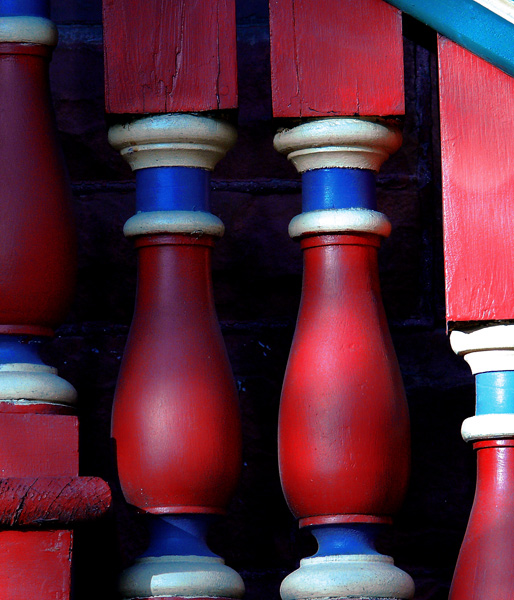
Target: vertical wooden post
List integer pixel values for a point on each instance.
(175, 418)
(477, 103)
(38, 426)
(344, 444)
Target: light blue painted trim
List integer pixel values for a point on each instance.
(471, 25)
(495, 392)
(25, 8)
(354, 538)
(328, 189)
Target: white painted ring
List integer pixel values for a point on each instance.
(174, 221)
(24, 382)
(345, 142)
(184, 576)
(347, 576)
(173, 140)
(339, 220)
(28, 30)
(487, 427)
(489, 348)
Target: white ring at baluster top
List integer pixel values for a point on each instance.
(486, 427)
(339, 142)
(339, 220)
(173, 140)
(490, 348)
(28, 30)
(174, 221)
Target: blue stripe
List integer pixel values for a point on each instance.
(179, 535)
(25, 8)
(325, 189)
(495, 392)
(351, 538)
(172, 188)
(15, 349)
(471, 25)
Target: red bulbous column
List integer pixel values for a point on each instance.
(38, 249)
(176, 413)
(344, 442)
(484, 567)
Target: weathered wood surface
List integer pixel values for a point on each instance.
(54, 501)
(35, 564)
(477, 126)
(38, 445)
(165, 56)
(339, 57)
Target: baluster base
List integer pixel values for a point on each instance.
(181, 576)
(347, 576)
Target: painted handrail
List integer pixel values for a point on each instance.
(469, 24)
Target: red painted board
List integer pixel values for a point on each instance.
(477, 128)
(44, 445)
(163, 56)
(35, 564)
(336, 57)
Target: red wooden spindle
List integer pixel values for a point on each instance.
(175, 418)
(343, 426)
(476, 102)
(39, 432)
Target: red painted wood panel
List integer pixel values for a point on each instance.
(477, 127)
(336, 57)
(38, 445)
(35, 564)
(163, 56)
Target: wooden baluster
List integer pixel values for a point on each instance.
(477, 104)
(344, 447)
(176, 419)
(39, 480)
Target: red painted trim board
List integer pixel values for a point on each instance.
(336, 57)
(477, 127)
(163, 57)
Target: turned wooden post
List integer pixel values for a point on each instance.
(344, 442)
(39, 483)
(176, 422)
(477, 103)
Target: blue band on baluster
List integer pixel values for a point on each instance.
(495, 392)
(325, 189)
(25, 8)
(347, 538)
(16, 349)
(179, 535)
(172, 188)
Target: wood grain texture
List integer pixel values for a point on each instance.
(57, 501)
(38, 445)
(165, 56)
(35, 564)
(339, 57)
(477, 126)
